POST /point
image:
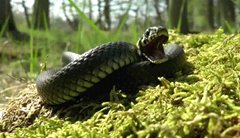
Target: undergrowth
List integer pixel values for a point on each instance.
(204, 102)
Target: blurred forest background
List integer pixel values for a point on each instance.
(187, 16)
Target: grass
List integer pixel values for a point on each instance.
(203, 102)
(4, 27)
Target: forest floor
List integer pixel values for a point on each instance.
(204, 102)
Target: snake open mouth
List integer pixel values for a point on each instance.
(154, 50)
(151, 44)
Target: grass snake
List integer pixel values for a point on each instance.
(95, 72)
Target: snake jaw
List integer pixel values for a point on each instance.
(151, 44)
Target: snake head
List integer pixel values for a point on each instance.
(151, 44)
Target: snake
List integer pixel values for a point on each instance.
(120, 64)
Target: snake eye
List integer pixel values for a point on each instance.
(145, 41)
(147, 33)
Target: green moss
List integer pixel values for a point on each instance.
(202, 102)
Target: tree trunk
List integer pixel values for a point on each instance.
(26, 14)
(90, 9)
(6, 17)
(218, 13)
(74, 23)
(202, 15)
(7, 23)
(227, 12)
(99, 19)
(210, 14)
(107, 14)
(167, 4)
(178, 15)
(41, 15)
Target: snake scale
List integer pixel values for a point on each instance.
(120, 64)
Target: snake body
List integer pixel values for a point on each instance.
(115, 63)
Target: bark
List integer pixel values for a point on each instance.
(41, 15)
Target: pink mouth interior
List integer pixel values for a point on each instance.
(154, 50)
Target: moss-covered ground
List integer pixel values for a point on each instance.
(201, 102)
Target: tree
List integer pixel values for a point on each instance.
(26, 13)
(90, 9)
(74, 22)
(178, 15)
(227, 14)
(106, 12)
(201, 15)
(210, 14)
(41, 15)
(7, 23)
(99, 19)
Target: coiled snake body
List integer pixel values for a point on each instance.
(117, 63)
